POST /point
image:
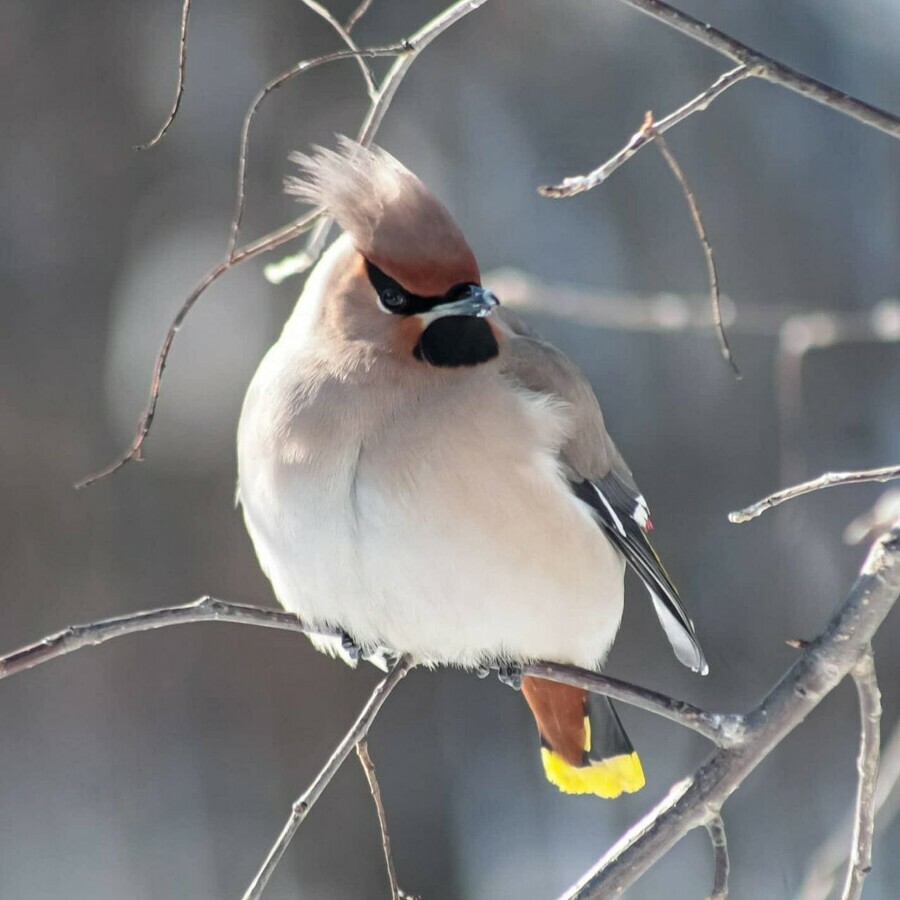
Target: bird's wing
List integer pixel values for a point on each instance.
(599, 476)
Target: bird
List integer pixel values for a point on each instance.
(421, 472)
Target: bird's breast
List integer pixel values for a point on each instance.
(442, 528)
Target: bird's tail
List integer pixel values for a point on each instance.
(584, 747)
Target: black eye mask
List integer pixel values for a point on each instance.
(394, 298)
(450, 340)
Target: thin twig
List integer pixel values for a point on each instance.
(273, 85)
(179, 90)
(723, 729)
(279, 236)
(867, 766)
(817, 671)
(768, 68)
(368, 767)
(716, 830)
(357, 14)
(577, 184)
(691, 200)
(262, 245)
(305, 802)
(344, 35)
(206, 609)
(829, 479)
(822, 871)
(415, 44)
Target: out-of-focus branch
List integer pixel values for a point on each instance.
(577, 184)
(767, 68)
(697, 800)
(716, 830)
(368, 767)
(829, 479)
(357, 14)
(344, 34)
(179, 90)
(703, 237)
(206, 609)
(867, 766)
(831, 856)
(411, 48)
(304, 803)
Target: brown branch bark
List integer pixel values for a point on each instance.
(697, 800)
(703, 237)
(412, 47)
(305, 802)
(577, 184)
(829, 479)
(716, 830)
(368, 767)
(867, 765)
(206, 609)
(179, 89)
(768, 68)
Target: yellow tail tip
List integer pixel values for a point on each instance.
(606, 778)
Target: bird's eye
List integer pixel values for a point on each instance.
(393, 300)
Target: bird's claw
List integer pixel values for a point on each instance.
(510, 674)
(351, 648)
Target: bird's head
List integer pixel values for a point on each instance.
(408, 284)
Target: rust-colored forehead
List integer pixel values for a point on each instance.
(417, 243)
(427, 277)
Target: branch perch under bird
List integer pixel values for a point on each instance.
(742, 741)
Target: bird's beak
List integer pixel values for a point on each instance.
(477, 301)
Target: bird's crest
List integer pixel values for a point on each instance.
(391, 216)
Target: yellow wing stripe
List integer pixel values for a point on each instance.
(606, 778)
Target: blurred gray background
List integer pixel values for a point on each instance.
(163, 765)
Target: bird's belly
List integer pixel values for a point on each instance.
(455, 555)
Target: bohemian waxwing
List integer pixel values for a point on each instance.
(421, 471)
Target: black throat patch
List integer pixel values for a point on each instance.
(454, 341)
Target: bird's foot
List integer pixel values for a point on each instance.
(351, 648)
(510, 674)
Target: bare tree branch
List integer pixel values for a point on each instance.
(723, 729)
(357, 14)
(577, 184)
(829, 479)
(273, 85)
(818, 670)
(415, 44)
(716, 830)
(262, 245)
(769, 69)
(368, 767)
(377, 110)
(831, 856)
(206, 609)
(304, 803)
(344, 35)
(715, 298)
(867, 766)
(179, 90)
